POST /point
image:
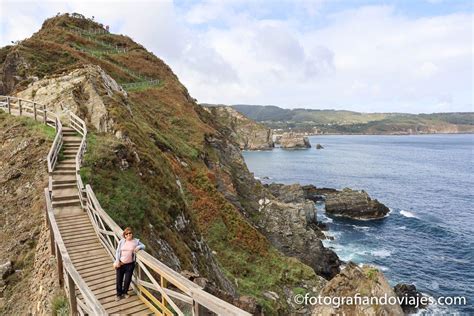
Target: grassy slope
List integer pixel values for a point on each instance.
(167, 132)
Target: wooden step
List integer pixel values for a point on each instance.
(71, 202)
(73, 184)
(64, 197)
(64, 172)
(69, 151)
(64, 167)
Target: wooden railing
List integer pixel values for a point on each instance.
(38, 112)
(69, 278)
(157, 285)
(79, 126)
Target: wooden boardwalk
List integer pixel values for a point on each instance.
(88, 255)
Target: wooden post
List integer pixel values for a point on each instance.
(19, 103)
(8, 105)
(72, 295)
(59, 260)
(52, 247)
(34, 110)
(195, 308)
(44, 114)
(163, 286)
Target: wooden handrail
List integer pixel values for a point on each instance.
(110, 234)
(37, 112)
(92, 304)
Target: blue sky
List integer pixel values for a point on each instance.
(371, 56)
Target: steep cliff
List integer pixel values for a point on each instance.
(157, 161)
(249, 134)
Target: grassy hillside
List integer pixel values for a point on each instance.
(349, 122)
(172, 175)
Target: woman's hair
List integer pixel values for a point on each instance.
(127, 230)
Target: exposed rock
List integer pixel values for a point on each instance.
(366, 282)
(355, 205)
(12, 72)
(319, 146)
(290, 223)
(292, 193)
(316, 194)
(6, 269)
(249, 134)
(294, 141)
(410, 296)
(88, 92)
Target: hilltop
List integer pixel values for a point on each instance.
(350, 122)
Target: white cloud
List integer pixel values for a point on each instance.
(369, 58)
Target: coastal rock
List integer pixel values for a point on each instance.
(316, 194)
(88, 92)
(249, 134)
(410, 295)
(290, 223)
(292, 193)
(366, 282)
(354, 204)
(294, 141)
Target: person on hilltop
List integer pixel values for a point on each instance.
(125, 257)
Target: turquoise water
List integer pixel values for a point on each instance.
(426, 180)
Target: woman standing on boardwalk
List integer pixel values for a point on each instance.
(125, 262)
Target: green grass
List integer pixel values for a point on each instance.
(372, 274)
(37, 127)
(60, 305)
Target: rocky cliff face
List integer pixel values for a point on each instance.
(249, 134)
(87, 91)
(293, 141)
(28, 280)
(290, 222)
(364, 282)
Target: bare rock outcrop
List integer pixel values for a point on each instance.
(366, 282)
(88, 92)
(293, 141)
(355, 204)
(290, 222)
(248, 134)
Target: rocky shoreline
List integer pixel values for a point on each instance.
(301, 230)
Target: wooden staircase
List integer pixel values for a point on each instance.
(88, 255)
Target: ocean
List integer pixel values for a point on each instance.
(427, 182)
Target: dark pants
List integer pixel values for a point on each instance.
(127, 271)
